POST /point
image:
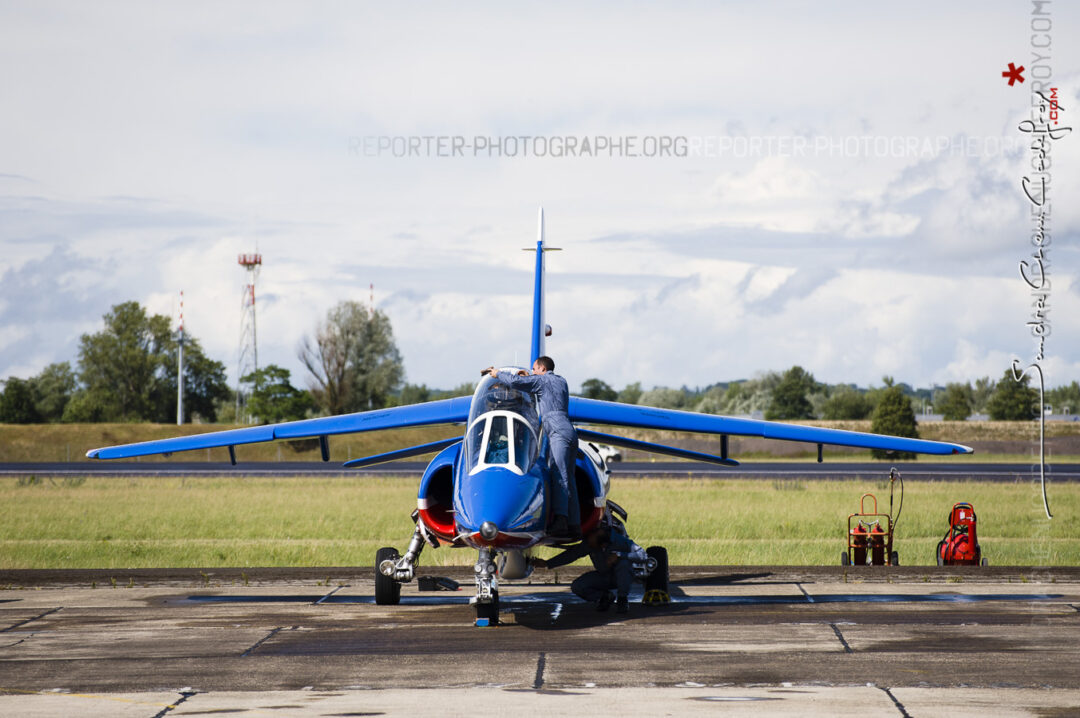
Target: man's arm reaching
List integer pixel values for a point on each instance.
(530, 383)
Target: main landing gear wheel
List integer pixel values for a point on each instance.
(387, 590)
(489, 611)
(656, 584)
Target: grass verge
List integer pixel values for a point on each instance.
(216, 522)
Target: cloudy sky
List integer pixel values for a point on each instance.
(844, 192)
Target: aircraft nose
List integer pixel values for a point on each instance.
(489, 530)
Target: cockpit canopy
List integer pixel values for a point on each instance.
(504, 428)
(503, 439)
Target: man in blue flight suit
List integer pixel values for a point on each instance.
(554, 396)
(609, 551)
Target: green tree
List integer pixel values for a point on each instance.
(630, 393)
(1065, 399)
(956, 401)
(122, 366)
(353, 360)
(128, 372)
(17, 404)
(895, 417)
(984, 387)
(419, 393)
(847, 403)
(597, 389)
(1013, 400)
(663, 397)
(789, 397)
(53, 389)
(413, 394)
(276, 399)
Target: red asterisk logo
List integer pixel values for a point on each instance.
(1014, 73)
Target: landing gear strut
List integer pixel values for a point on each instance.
(392, 570)
(487, 590)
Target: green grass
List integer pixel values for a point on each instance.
(215, 522)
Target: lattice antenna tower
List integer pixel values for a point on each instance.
(248, 357)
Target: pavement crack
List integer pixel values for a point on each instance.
(541, 662)
(809, 598)
(264, 639)
(836, 630)
(898, 704)
(184, 695)
(316, 603)
(29, 620)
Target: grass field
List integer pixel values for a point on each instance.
(239, 522)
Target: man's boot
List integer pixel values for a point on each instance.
(559, 527)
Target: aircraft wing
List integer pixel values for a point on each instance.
(444, 411)
(594, 411)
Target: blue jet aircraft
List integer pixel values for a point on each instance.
(489, 490)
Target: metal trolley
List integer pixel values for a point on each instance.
(870, 533)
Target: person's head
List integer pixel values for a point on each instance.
(543, 365)
(596, 537)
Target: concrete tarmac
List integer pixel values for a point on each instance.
(905, 641)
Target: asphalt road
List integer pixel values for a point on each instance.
(664, 469)
(779, 641)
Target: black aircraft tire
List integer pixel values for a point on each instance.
(658, 579)
(387, 590)
(490, 611)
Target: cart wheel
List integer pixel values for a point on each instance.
(845, 560)
(894, 558)
(387, 590)
(985, 562)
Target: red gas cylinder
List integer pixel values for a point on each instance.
(877, 545)
(858, 544)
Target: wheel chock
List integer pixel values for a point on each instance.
(656, 597)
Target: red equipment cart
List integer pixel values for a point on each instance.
(960, 547)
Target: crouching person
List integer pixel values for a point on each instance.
(610, 553)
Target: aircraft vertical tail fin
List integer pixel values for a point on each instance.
(539, 327)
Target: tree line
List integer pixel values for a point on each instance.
(127, 371)
(795, 394)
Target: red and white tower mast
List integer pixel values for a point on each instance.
(248, 361)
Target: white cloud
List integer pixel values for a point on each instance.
(150, 146)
